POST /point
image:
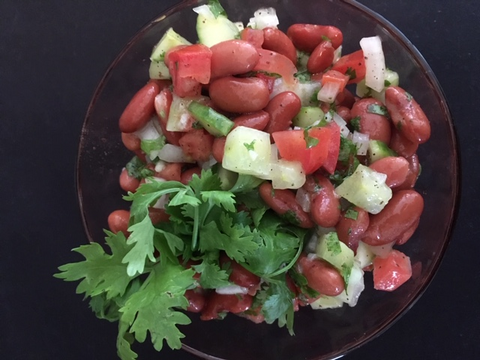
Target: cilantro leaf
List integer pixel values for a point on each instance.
(224, 199)
(211, 275)
(311, 141)
(355, 123)
(152, 308)
(141, 237)
(124, 342)
(351, 213)
(250, 146)
(152, 145)
(333, 243)
(100, 272)
(352, 73)
(378, 110)
(245, 183)
(137, 168)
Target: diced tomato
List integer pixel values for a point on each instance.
(253, 36)
(189, 67)
(391, 272)
(335, 77)
(334, 148)
(353, 65)
(163, 102)
(292, 146)
(275, 63)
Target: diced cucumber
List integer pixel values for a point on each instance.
(366, 188)
(331, 249)
(212, 121)
(391, 79)
(158, 69)
(364, 256)
(327, 302)
(227, 178)
(286, 174)
(378, 150)
(307, 116)
(179, 118)
(213, 29)
(248, 151)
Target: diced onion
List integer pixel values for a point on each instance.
(149, 131)
(174, 154)
(328, 92)
(209, 163)
(274, 155)
(362, 142)
(374, 62)
(355, 287)
(263, 18)
(205, 11)
(381, 250)
(342, 124)
(337, 54)
(231, 290)
(303, 199)
(239, 25)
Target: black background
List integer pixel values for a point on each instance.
(52, 56)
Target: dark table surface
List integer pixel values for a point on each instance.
(52, 55)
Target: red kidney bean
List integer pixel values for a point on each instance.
(163, 101)
(306, 37)
(253, 36)
(188, 174)
(239, 95)
(345, 98)
(412, 175)
(241, 276)
(170, 172)
(395, 167)
(118, 221)
(321, 276)
(408, 234)
(218, 148)
(131, 141)
(254, 315)
(140, 108)
(276, 40)
(375, 125)
(321, 57)
(197, 144)
(397, 218)
(158, 216)
(217, 303)
(344, 113)
(407, 115)
(233, 57)
(325, 205)
(401, 145)
(350, 230)
(196, 300)
(282, 202)
(127, 182)
(256, 120)
(282, 109)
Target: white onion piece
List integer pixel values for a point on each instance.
(205, 11)
(209, 163)
(231, 290)
(374, 62)
(342, 124)
(355, 287)
(274, 154)
(239, 25)
(303, 199)
(328, 92)
(263, 18)
(149, 131)
(361, 141)
(337, 54)
(381, 250)
(160, 165)
(174, 154)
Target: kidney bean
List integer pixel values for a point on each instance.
(254, 315)
(375, 125)
(163, 101)
(412, 175)
(306, 37)
(282, 109)
(325, 205)
(218, 148)
(321, 57)
(196, 300)
(253, 36)
(140, 108)
(188, 174)
(158, 216)
(197, 144)
(131, 141)
(217, 303)
(395, 167)
(283, 202)
(233, 57)
(127, 182)
(401, 145)
(407, 115)
(344, 113)
(170, 172)
(239, 95)
(241, 276)
(321, 276)
(118, 221)
(345, 98)
(350, 230)
(408, 234)
(276, 40)
(257, 120)
(397, 218)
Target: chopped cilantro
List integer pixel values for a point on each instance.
(251, 146)
(378, 109)
(351, 214)
(303, 76)
(355, 123)
(351, 73)
(310, 141)
(138, 169)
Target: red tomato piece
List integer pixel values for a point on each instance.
(335, 77)
(334, 148)
(275, 63)
(391, 272)
(253, 36)
(350, 64)
(292, 146)
(189, 67)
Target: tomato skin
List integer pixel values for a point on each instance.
(391, 272)
(354, 61)
(334, 148)
(275, 63)
(292, 146)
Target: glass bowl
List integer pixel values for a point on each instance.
(321, 334)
